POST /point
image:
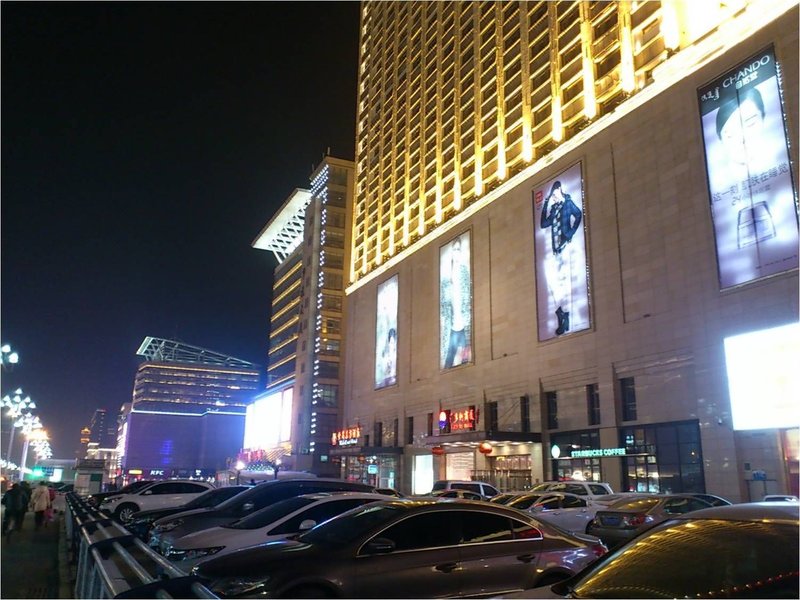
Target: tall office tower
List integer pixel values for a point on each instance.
(187, 413)
(294, 419)
(103, 433)
(565, 214)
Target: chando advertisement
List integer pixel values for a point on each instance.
(386, 334)
(749, 178)
(562, 278)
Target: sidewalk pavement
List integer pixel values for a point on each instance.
(33, 563)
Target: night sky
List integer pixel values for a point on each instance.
(144, 147)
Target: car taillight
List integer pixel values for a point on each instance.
(599, 549)
(635, 520)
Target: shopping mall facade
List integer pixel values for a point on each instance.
(602, 284)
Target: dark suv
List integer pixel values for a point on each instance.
(166, 530)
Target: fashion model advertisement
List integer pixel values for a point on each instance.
(455, 303)
(562, 279)
(386, 334)
(749, 178)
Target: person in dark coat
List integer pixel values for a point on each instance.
(26, 489)
(16, 501)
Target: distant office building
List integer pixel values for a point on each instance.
(187, 413)
(575, 246)
(294, 419)
(102, 431)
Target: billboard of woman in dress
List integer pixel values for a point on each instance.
(455, 303)
(386, 334)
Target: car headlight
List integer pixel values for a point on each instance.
(176, 554)
(111, 500)
(168, 526)
(236, 586)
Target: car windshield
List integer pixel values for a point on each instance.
(213, 497)
(270, 514)
(523, 502)
(351, 525)
(741, 559)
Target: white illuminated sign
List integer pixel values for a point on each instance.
(386, 334)
(455, 302)
(764, 379)
(269, 421)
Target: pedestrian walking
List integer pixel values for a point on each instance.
(48, 513)
(40, 500)
(26, 489)
(15, 501)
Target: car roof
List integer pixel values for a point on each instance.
(335, 495)
(751, 511)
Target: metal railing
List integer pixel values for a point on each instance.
(114, 563)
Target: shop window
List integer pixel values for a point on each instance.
(593, 403)
(378, 434)
(628, 391)
(491, 418)
(551, 401)
(525, 413)
(430, 425)
(409, 430)
(396, 432)
(366, 440)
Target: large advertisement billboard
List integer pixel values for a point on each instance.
(562, 275)
(386, 334)
(750, 182)
(455, 302)
(268, 421)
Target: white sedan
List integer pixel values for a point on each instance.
(568, 511)
(274, 522)
(159, 494)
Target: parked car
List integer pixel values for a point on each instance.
(166, 531)
(568, 511)
(591, 489)
(479, 487)
(779, 498)
(462, 494)
(732, 551)
(275, 522)
(406, 549)
(134, 486)
(503, 497)
(712, 499)
(389, 492)
(142, 521)
(159, 494)
(624, 519)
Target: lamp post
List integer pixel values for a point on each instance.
(30, 428)
(17, 404)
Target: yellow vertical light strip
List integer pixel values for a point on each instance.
(439, 112)
(587, 61)
(477, 99)
(670, 25)
(407, 132)
(626, 68)
(394, 133)
(557, 127)
(359, 225)
(377, 125)
(421, 138)
(457, 107)
(525, 68)
(500, 79)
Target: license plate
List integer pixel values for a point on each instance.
(613, 521)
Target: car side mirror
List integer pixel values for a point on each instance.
(379, 546)
(308, 524)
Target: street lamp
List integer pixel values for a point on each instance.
(31, 427)
(8, 356)
(17, 405)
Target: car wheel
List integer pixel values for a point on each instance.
(124, 513)
(309, 591)
(552, 578)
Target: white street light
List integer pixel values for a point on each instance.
(8, 356)
(30, 429)
(17, 404)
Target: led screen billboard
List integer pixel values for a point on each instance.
(763, 378)
(269, 421)
(386, 334)
(749, 178)
(455, 302)
(562, 277)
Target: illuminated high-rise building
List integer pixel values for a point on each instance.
(565, 212)
(294, 419)
(186, 417)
